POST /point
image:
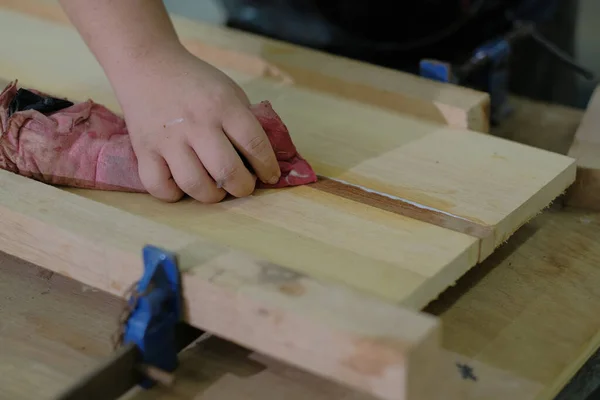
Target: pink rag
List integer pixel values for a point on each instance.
(88, 146)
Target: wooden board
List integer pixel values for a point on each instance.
(364, 342)
(462, 180)
(586, 150)
(529, 312)
(539, 273)
(372, 346)
(259, 56)
(414, 145)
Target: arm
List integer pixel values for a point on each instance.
(186, 119)
(126, 37)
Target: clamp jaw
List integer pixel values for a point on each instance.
(151, 334)
(487, 68)
(155, 312)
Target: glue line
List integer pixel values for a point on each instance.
(389, 196)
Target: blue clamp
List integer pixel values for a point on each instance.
(156, 310)
(436, 70)
(493, 56)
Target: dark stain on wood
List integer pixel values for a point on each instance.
(397, 206)
(287, 281)
(276, 274)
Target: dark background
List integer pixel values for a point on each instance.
(586, 49)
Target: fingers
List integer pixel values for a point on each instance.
(156, 177)
(223, 163)
(247, 135)
(190, 175)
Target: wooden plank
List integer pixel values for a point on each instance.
(466, 181)
(494, 185)
(259, 56)
(529, 314)
(523, 311)
(585, 192)
(406, 261)
(400, 259)
(531, 308)
(52, 329)
(322, 327)
(211, 369)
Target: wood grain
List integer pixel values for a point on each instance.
(259, 56)
(397, 258)
(530, 309)
(365, 343)
(492, 183)
(210, 369)
(528, 315)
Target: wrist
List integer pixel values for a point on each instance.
(140, 60)
(128, 38)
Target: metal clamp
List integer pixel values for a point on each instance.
(151, 334)
(155, 312)
(488, 67)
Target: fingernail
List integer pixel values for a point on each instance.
(273, 180)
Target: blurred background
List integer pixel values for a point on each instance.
(587, 49)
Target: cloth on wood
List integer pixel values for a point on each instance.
(85, 145)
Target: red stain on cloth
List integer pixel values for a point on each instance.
(88, 146)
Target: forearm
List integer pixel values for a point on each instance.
(123, 34)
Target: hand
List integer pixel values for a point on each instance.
(186, 120)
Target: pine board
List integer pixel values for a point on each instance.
(513, 296)
(482, 188)
(528, 313)
(259, 56)
(404, 260)
(322, 327)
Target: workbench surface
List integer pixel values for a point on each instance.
(530, 309)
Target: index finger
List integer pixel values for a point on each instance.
(248, 137)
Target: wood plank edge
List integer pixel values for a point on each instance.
(473, 118)
(327, 329)
(427, 103)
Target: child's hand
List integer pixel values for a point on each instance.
(186, 120)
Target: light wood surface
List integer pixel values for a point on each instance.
(448, 174)
(315, 233)
(259, 56)
(585, 192)
(51, 330)
(503, 312)
(529, 312)
(363, 342)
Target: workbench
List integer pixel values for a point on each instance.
(530, 310)
(516, 326)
